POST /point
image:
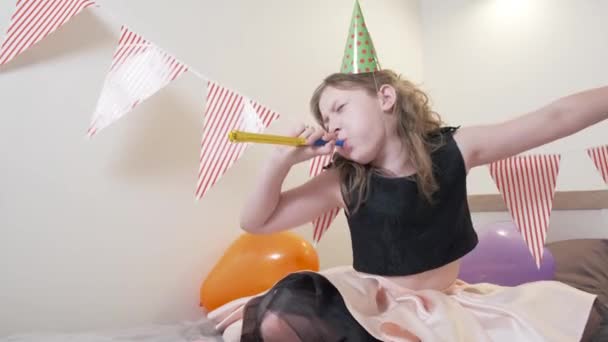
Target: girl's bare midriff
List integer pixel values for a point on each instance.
(440, 278)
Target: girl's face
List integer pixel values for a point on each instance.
(364, 121)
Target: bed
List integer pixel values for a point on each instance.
(201, 330)
(581, 263)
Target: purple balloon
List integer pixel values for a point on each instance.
(503, 258)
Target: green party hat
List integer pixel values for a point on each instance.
(359, 52)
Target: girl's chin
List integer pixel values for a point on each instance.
(343, 153)
(352, 157)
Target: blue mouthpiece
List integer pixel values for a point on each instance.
(322, 142)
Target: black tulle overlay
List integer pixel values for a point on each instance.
(304, 307)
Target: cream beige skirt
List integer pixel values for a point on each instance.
(382, 310)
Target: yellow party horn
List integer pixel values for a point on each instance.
(259, 138)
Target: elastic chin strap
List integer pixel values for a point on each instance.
(375, 81)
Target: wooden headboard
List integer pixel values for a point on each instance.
(564, 200)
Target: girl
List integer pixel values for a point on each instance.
(401, 179)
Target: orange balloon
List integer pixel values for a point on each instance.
(253, 264)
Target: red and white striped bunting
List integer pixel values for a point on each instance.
(321, 224)
(599, 155)
(138, 70)
(226, 111)
(33, 20)
(527, 185)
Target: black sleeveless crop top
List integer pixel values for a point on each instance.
(397, 232)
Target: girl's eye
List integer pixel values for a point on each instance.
(340, 107)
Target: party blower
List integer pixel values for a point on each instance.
(240, 136)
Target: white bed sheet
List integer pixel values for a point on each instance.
(197, 331)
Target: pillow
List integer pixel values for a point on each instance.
(583, 264)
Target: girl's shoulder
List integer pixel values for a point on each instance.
(441, 137)
(443, 131)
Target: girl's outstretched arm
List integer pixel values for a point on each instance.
(485, 144)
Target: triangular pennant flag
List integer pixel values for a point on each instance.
(599, 155)
(138, 70)
(33, 20)
(527, 185)
(321, 223)
(226, 111)
(359, 53)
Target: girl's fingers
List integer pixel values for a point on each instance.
(328, 148)
(308, 131)
(314, 136)
(297, 130)
(330, 136)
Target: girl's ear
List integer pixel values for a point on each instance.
(387, 96)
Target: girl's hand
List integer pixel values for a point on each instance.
(299, 154)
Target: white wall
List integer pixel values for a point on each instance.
(489, 60)
(105, 233)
